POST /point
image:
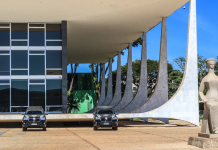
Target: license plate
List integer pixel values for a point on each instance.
(106, 123)
(34, 124)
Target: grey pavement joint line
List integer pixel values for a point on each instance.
(4, 132)
(83, 139)
(161, 136)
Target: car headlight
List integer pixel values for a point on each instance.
(42, 118)
(25, 118)
(114, 118)
(97, 118)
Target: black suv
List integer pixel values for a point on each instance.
(34, 117)
(105, 116)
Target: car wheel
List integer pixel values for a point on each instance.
(44, 129)
(115, 128)
(95, 128)
(24, 129)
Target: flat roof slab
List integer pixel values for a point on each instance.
(97, 29)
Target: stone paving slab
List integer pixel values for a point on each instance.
(130, 136)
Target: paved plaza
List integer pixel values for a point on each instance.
(130, 135)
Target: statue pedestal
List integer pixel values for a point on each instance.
(204, 141)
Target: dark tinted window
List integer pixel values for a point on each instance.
(4, 65)
(19, 92)
(4, 25)
(19, 31)
(37, 81)
(36, 25)
(4, 98)
(36, 52)
(54, 92)
(5, 81)
(19, 43)
(36, 37)
(53, 31)
(53, 72)
(53, 109)
(37, 95)
(53, 43)
(19, 59)
(105, 112)
(4, 37)
(18, 109)
(19, 72)
(37, 65)
(53, 59)
(31, 112)
(4, 52)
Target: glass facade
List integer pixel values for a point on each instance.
(30, 67)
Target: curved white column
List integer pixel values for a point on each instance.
(102, 97)
(109, 96)
(184, 104)
(160, 95)
(128, 95)
(117, 94)
(141, 96)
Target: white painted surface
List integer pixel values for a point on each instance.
(97, 29)
(184, 104)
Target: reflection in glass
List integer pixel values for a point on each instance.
(19, 92)
(37, 81)
(53, 31)
(37, 64)
(37, 95)
(19, 72)
(4, 25)
(4, 65)
(36, 37)
(19, 59)
(36, 25)
(53, 72)
(5, 81)
(36, 52)
(18, 109)
(53, 43)
(54, 92)
(53, 59)
(4, 36)
(4, 98)
(4, 52)
(19, 43)
(19, 31)
(49, 109)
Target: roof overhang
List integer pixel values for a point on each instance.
(97, 29)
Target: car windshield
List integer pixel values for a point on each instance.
(105, 112)
(33, 112)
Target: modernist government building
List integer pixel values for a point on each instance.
(38, 39)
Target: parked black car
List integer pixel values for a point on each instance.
(105, 116)
(34, 117)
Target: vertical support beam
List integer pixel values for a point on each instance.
(64, 66)
(117, 94)
(109, 87)
(141, 96)
(128, 95)
(102, 97)
(184, 104)
(160, 95)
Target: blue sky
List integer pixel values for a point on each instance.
(177, 29)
